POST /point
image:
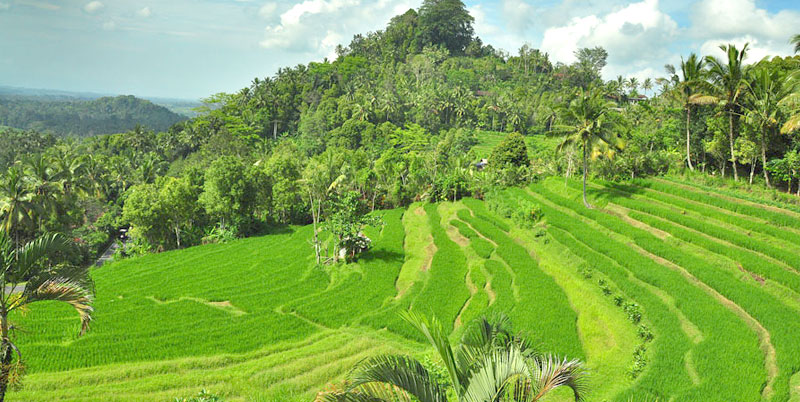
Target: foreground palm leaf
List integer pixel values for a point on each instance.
(31, 264)
(490, 364)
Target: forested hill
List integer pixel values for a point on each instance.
(82, 118)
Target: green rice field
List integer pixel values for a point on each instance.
(667, 290)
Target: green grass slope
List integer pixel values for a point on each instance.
(711, 279)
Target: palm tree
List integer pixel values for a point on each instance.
(45, 188)
(690, 85)
(633, 84)
(767, 89)
(28, 264)
(590, 126)
(796, 42)
(490, 364)
(728, 78)
(16, 205)
(647, 84)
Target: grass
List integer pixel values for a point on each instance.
(256, 320)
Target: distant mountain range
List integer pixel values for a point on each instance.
(83, 114)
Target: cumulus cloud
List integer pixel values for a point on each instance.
(93, 7)
(519, 15)
(741, 17)
(268, 10)
(636, 37)
(317, 26)
(109, 25)
(144, 12)
(718, 22)
(757, 48)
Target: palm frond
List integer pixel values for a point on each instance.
(550, 373)
(64, 290)
(381, 376)
(700, 99)
(34, 252)
(792, 124)
(495, 372)
(347, 396)
(433, 331)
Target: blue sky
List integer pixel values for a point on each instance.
(191, 49)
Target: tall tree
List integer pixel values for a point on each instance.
(16, 205)
(689, 87)
(767, 88)
(728, 77)
(447, 23)
(31, 264)
(796, 42)
(589, 125)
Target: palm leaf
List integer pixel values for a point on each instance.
(792, 124)
(64, 290)
(494, 374)
(550, 373)
(381, 376)
(434, 333)
(34, 252)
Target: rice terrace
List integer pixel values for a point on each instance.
(468, 201)
(698, 287)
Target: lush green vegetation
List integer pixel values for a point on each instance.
(277, 237)
(273, 311)
(79, 118)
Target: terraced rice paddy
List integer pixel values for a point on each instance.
(666, 289)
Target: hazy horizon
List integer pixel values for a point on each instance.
(192, 49)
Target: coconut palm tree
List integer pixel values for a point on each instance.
(647, 84)
(728, 78)
(31, 264)
(589, 126)
(16, 201)
(44, 187)
(796, 42)
(490, 364)
(692, 89)
(767, 89)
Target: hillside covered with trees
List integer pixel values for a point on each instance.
(687, 209)
(63, 116)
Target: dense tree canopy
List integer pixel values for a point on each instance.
(402, 115)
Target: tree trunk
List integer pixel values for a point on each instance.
(178, 236)
(314, 219)
(585, 167)
(7, 356)
(689, 137)
(752, 169)
(764, 159)
(730, 137)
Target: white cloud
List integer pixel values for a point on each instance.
(720, 22)
(315, 27)
(757, 48)
(4, 6)
(268, 10)
(144, 12)
(482, 26)
(636, 37)
(519, 15)
(109, 25)
(93, 7)
(742, 17)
